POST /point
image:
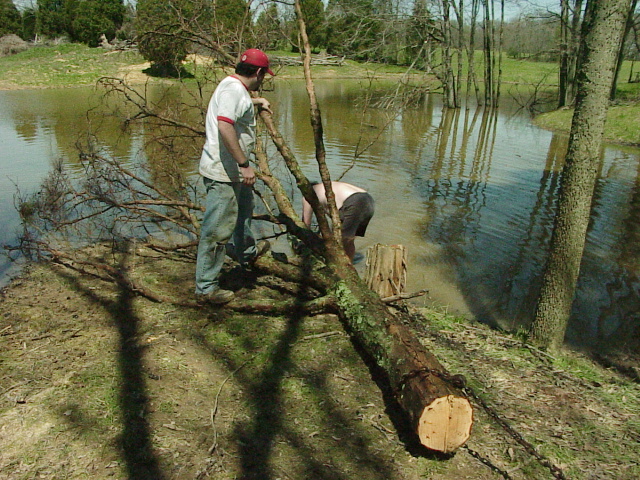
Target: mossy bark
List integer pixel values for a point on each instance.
(440, 414)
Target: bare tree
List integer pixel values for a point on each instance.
(621, 51)
(570, 21)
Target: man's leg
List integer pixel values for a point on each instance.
(217, 228)
(349, 245)
(245, 247)
(244, 241)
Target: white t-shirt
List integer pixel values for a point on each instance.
(229, 103)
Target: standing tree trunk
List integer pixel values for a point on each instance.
(449, 80)
(488, 53)
(471, 49)
(500, 45)
(563, 75)
(620, 58)
(575, 34)
(570, 18)
(459, 10)
(602, 28)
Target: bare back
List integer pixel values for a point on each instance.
(341, 190)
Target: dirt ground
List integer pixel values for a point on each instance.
(99, 383)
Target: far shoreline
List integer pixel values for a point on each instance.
(78, 66)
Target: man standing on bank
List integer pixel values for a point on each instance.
(228, 177)
(355, 206)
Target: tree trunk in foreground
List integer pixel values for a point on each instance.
(439, 412)
(602, 28)
(440, 415)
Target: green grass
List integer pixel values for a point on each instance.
(63, 65)
(621, 126)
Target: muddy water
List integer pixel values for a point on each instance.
(471, 193)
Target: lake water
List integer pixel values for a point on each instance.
(471, 193)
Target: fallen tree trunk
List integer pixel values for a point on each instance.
(433, 400)
(441, 415)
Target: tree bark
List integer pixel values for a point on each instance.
(570, 19)
(440, 414)
(488, 49)
(386, 272)
(449, 80)
(602, 29)
(563, 76)
(620, 58)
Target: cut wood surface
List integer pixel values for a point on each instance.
(440, 413)
(445, 424)
(386, 269)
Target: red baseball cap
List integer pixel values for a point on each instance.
(256, 57)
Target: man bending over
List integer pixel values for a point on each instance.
(355, 206)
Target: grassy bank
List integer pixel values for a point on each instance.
(622, 127)
(97, 383)
(66, 65)
(77, 65)
(70, 65)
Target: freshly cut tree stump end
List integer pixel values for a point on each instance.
(386, 269)
(445, 424)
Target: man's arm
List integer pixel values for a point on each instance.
(262, 104)
(231, 143)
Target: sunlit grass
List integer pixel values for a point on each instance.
(621, 126)
(63, 65)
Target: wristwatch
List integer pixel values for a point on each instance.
(244, 165)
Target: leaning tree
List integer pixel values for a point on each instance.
(601, 35)
(121, 203)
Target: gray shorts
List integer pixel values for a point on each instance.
(355, 213)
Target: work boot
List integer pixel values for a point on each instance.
(215, 297)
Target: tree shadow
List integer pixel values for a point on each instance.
(258, 436)
(134, 440)
(167, 71)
